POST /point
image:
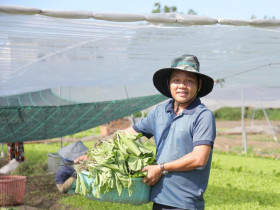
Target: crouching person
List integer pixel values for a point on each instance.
(66, 175)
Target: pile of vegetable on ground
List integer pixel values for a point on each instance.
(113, 163)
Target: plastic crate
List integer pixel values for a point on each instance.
(140, 192)
(72, 188)
(12, 189)
(54, 161)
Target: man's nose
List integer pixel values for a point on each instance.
(182, 84)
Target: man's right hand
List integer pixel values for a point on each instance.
(154, 174)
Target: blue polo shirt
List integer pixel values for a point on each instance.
(176, 136)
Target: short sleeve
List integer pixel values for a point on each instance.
(204, 129)
(146, 125)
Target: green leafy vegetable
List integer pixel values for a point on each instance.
(114, 162)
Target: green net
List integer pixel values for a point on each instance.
(34, 116)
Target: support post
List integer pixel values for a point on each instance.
(131, 116)
(2, 151)
(59, 105)
(244, 139)
(269, 124)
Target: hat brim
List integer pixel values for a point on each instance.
(72, 151)
(161, 77)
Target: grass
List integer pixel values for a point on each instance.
(77, 201)
(38, 164)
(236, 181)
(262, 138)
(228, 113)
(90, 132)
(240, 182)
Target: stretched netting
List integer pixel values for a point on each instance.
(45, 120)
(67, 71)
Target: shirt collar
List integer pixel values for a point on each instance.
(189, 110)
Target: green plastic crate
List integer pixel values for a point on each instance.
(140, 192)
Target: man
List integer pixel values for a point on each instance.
(184, 131)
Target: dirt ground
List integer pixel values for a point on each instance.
(41, 192)
(259, 137)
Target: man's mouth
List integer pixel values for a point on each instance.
(182, 94)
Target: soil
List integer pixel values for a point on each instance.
(259, 137)
(41, 191)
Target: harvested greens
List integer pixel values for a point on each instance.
(113, 163)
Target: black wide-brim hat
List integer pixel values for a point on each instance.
(187, 63)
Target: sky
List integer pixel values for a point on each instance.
(234, 9)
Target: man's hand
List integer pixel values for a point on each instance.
(129, 130)
(154, 174)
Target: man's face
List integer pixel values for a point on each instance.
(183, 85)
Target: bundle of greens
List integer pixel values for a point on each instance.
(114, 162)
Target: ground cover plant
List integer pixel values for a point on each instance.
(243, 182)
(228, 113)
(237, 181)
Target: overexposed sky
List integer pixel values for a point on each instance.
(235, 9)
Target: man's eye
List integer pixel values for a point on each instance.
(189, 82)
(175, 80)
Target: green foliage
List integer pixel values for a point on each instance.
(232, 114)
(236, 181)
(139, 114)
(273, 114)
(242, 182)
(191, 12)
(170, 9)
(36, 160)
(78, 201)
(86, 133)
(112, 164)
(166, 9)
(228, 114)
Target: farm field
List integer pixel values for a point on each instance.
(237, 180)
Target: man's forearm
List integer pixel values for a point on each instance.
(130, 130)
(197, 158)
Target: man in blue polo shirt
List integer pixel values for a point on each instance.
(184, 131)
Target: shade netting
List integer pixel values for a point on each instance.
(67, 71)
(44, 119)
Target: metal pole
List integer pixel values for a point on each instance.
(2, 152)
(132, 116)
(59, 105)
(253, 116)
(269, 124)
(244, 140)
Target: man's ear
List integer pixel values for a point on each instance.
(168, 84)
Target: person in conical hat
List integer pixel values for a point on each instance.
(184, 131)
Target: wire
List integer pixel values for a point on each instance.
(221, 81)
